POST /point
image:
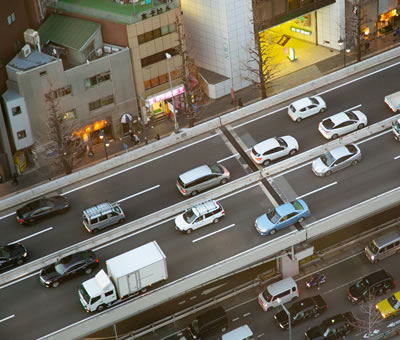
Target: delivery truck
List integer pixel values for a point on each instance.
(393, 101)
(127, 275)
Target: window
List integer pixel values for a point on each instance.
(154, 34)
(16, 110)
(11, 18)
(64, 91)
(101, 102)
(21, 134)
(97, 79)
(157, 57)
(67, 115)
(43, 73)
(109, 293)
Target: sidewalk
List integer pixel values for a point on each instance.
(213, 109)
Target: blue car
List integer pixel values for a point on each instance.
(281, 217)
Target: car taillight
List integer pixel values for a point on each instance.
(21, 220)
(258, 158)
(97, 260)
(183, 190)
(223, 212)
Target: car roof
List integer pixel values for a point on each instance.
(339, 118)
(205, 207)
(268, 144)
(195, 173)
(75, 257)
(288, 207)
(340, 152)
(303, 102)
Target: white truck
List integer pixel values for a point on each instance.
(393, 101)
(128, 274)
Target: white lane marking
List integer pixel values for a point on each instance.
(139, 193)
(5, 216)
(239, 191)
(397, 157)
(137, 165)
(292, 169)
(235, 319)
(182, 302)
(35, 234)
(193, 297)
(247, 314)
(229, 157)
(19, 280)
(260, 335)
(316, 190)
(213, 233)
(7, 318)
(257, 118)
(373, 137)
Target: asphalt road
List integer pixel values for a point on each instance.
(150, 186)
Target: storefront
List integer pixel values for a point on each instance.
(161, 104)
(91, 132)
(387, 22)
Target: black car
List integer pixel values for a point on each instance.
(335, 327)
(68, 267)
(12, 255)
(41, 208)
(374, 284)
(302, 310)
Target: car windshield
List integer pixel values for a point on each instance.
(273, 216)
(327, 331)
(327, 158)
(397, 126)
(216, 169)
(394, 302)
(195, 327)
(372, 246)
(189, 216)
(297, 205)
(281, 142)
(351, 115)
(362, 283)
(314, 101)
(4, 252)
(84, 293)
(267, 296)
(328, 123)
(351, 148)
(61, 266)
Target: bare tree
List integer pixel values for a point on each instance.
(60, 135)
(369, 317)
(261, 55)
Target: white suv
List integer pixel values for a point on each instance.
(199, 216)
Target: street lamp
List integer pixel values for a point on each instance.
(288, 315)
(341, 43)
(105, 141)
(168, 56)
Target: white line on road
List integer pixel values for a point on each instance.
(229, 157)
(246, 314)
(373, 137)
(7, 318)
(35, 234)
(137, 165)
(5, 216)
(235, 319)
(397, 157)
(213, 233)
(139, 193)
(292, 169)
(316, 190)
(19, 280)
(239, 191)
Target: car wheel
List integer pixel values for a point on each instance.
(122, 220)
(223, 181)
(354, 162)
(266, 162)
(301, 219)
(55, 284)
(189, 231)
(360, 126)
(20, 261)
(298, 119)
(322, 110)
(272, 232)
(88, 271)
(194, 193)
(100, 308)
(328, 173)
(335, 136)
(216, 220)
(292, 152)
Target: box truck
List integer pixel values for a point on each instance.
(127, 275)
(393, 101)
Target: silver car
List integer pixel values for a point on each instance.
(336, 159)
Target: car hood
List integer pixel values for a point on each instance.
(263, 223)
(385, 307)
(17, 250)
(314, 333)
(282, 318)
(318, 165)
(291, 142)
(49, 273)
(181, 223)
(60, 201)
(355, 291)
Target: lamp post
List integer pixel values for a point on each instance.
(288, 315)
(341, 43)
(105, 141)
(168, 56)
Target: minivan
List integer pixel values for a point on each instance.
(241, 333)
(286, 290)
(191, 182)
(102, 215)
(209, 322)
(383, 246)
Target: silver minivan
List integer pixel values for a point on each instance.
(191, 182)
(383, 246)
(102, 216)
(286, 290)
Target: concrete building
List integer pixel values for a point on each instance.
(90, 82)
(149, 29)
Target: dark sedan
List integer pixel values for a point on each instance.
(12, 255)
(68, 267)
(42, 207)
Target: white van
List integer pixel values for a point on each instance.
(241, 333)
(286, 290)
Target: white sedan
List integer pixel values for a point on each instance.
(342, 123)
(306, 107)
(274, 148)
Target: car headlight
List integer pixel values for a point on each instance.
(383, 315)
(25, 254)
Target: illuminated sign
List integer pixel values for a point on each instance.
(300, 30)
(165, 95)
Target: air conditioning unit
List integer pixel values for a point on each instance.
(114, 49)
(107, 49)
(26, 50)
(31, 37)
(99, 52)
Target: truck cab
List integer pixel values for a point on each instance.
(393, 101)
(396, 129)
(95, 294)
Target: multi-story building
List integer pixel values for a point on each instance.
(149, 29)
(90, 82)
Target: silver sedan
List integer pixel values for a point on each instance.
(336, 159)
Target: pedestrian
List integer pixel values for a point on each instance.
(136, 138)
(145, 140)
(157, 136)
(240, 102)
(15, 178)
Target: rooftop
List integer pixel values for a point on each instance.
(33, 60)
(121, 11)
